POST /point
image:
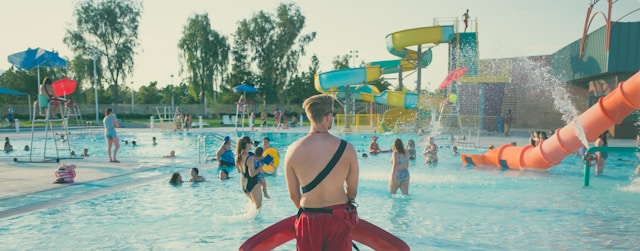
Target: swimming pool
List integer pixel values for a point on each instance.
(451, 207)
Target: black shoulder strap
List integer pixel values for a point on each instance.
(323, 174)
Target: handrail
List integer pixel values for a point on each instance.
(202, 139)
(586, 157)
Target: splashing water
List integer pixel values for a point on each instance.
(561, 98)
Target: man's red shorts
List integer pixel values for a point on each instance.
(323, 231)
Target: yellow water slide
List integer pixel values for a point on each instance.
(398, 44)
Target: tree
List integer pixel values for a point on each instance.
(240, 70)
(275, 44)
(205, 56)
(149, 94)
(108, 28)
(82, 68)
(302, 86)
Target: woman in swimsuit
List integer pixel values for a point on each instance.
(250, 183)
(399, 169)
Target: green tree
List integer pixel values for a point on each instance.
(341, 62)
(275, 45)
(149, 94)
(302, 86)
(205, 56)
(82, 69)
(240, 72)
(108, 28)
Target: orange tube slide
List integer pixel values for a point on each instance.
(609, 110)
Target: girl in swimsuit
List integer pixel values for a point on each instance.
(399, 169)
(250, 182)
(411, 148)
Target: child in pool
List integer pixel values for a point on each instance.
(258, 164)
(411, 148)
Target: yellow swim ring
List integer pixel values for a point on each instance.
(271, 169)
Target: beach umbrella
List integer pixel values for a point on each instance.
(36, 58)
(452, 76)
(244, 88)
(64, 87)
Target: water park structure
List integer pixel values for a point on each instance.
(352, 80)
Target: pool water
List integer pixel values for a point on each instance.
(450, 207)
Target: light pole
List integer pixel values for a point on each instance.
(131, 96)
(94, 55)
(353, 54)
(172, 104)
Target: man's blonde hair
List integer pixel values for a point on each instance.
(318, 106)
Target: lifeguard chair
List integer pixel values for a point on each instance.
(241, 110)
(50, 133)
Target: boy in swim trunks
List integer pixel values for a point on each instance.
(326, 215)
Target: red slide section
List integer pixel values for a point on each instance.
(284, 231)
(609, 110)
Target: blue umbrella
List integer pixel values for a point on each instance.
(245, 88)
(34, 58)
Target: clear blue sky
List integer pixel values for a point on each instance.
(507, 28)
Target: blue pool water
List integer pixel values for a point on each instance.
(451, 207)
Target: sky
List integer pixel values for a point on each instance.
(506, 28)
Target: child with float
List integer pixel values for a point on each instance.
(65, 173)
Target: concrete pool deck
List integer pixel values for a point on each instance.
(20, 178)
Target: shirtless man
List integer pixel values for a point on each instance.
(195, 175)
(465, 19)
(316, 204)
(431, 151)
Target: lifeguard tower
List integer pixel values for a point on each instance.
(56, 129)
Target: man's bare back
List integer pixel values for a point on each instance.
(307, 157)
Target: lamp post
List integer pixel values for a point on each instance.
(353, 54)
(173, 112)
(132, 97)
(94, 55)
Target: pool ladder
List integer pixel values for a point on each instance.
(202, 150)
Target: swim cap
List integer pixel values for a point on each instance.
(226, 138)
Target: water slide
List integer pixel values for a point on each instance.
(609, 110)
(397, 45)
